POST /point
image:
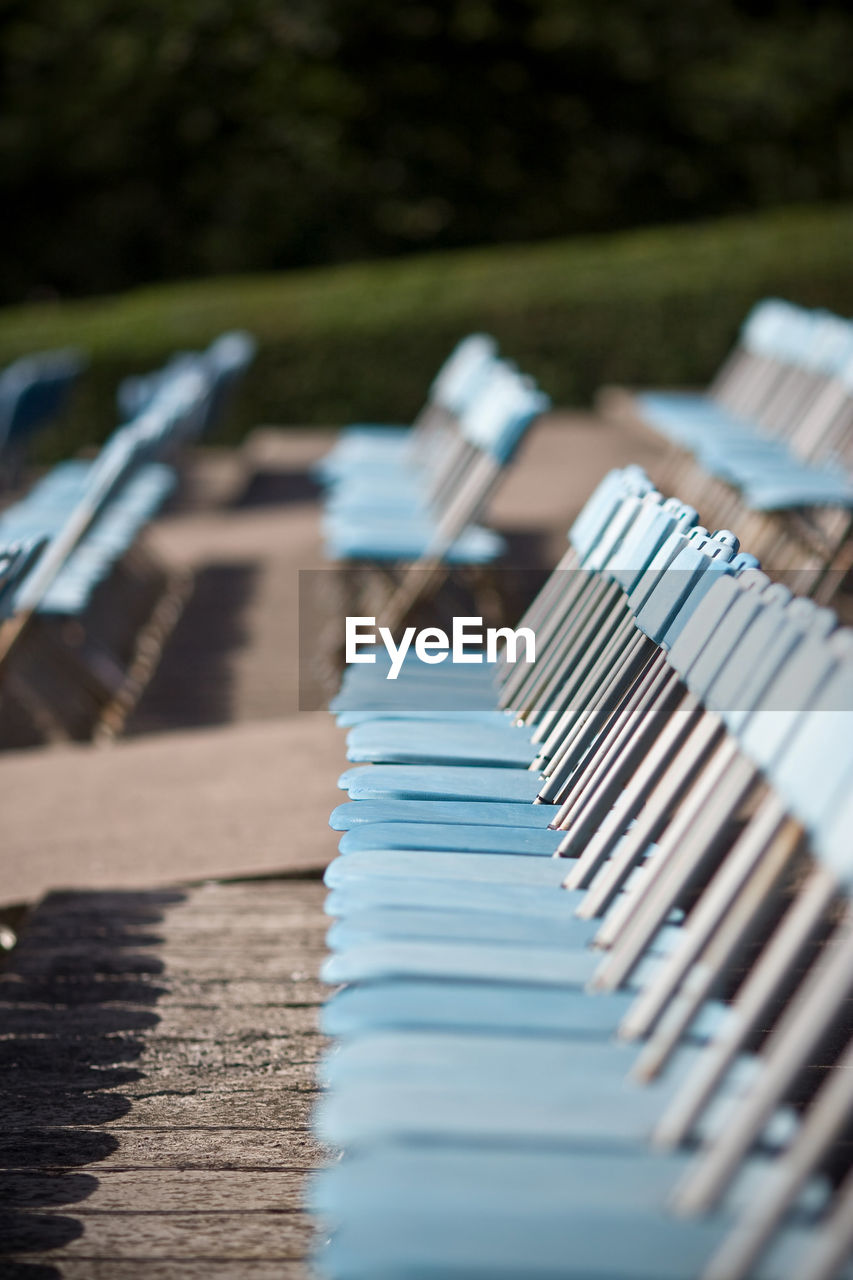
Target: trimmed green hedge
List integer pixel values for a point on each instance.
(346, 343)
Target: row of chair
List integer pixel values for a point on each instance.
(768, 446)
(683, 746)
(414, 494)
(71, 546)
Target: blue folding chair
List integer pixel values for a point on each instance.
(768, 447)
(369, 445)
(428, 514)
(86, 518)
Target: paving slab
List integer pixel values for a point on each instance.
(237, 800)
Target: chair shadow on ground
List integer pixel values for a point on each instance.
(77, 995)
(276, 487)
(193, 683)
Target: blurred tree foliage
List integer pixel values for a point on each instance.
(141, 140)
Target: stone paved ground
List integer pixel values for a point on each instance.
(242, 799)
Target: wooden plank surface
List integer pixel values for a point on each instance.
(157, 1057)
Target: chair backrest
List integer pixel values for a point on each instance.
(228, 358)
(490, 429)
(34, 389)
(495, 421)
(763, 329)
(221, 365)
(599, 509)
(176, 402)
(453, 385)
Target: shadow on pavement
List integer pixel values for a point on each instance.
(193, 683)
(77, 996)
